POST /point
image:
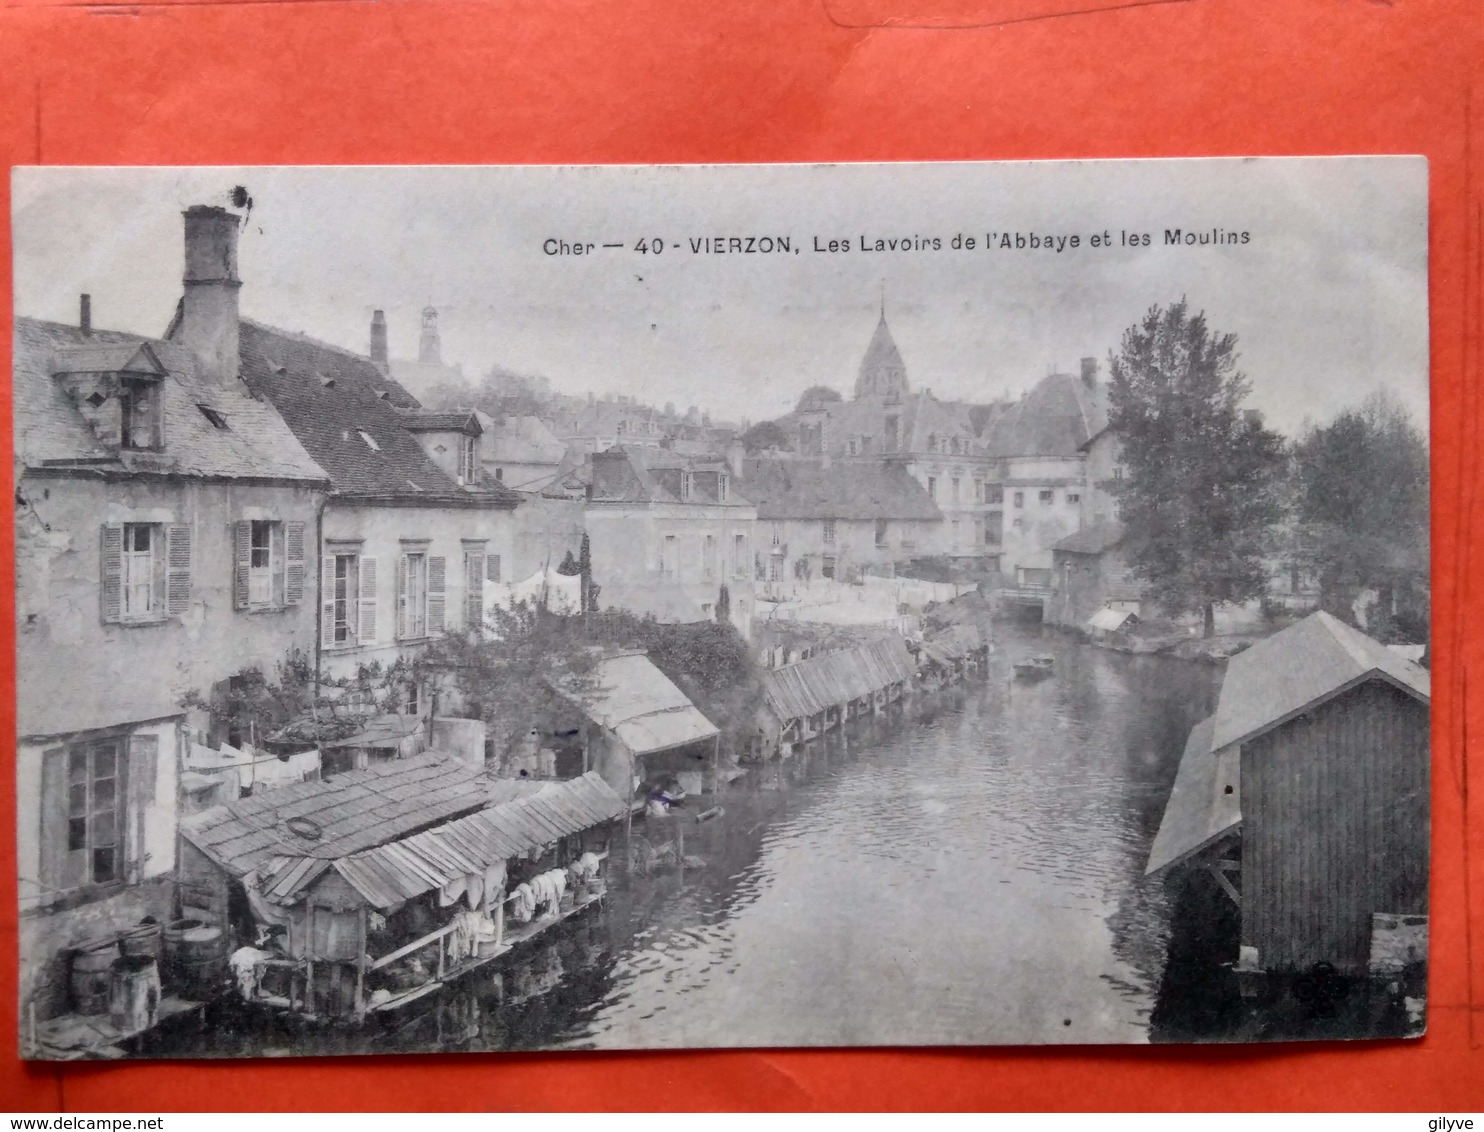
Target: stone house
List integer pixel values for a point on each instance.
(165, 524)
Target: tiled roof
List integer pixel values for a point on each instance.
(49, 429)
(1092, 539)
(806, 489)
(350, 812)
(519, 440)
(882, 370)
(631, 474)
(330, 397)
(1055, 418)
(1300, 667)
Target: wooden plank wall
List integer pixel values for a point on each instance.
(1335, 827)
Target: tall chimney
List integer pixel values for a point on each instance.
(85, 314)
(1089, 370)
(209, 318)
(378, 341)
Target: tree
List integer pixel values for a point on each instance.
(569, 567)
(589, 592)
(724, 604)
(765, 435)
(1200, 496)
(1361, 487)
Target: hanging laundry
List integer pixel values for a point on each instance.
(244, 963)
(450, 892)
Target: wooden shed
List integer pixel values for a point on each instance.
(1317, 767)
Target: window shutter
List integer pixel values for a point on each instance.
(139, 782)
(277, 574)
(492, 567)
(159, 556)
(54, 856)
(436, 566)
(294, 558)
(366, 601)
(242, 542)
(401, 596)
(111, 588)
(327, 601)
(474, 591)
(178, 559)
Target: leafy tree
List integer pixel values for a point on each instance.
(1361, 487)
(569, 567)
(589, 593)
(724, 604)
(765, 435)
(1201, 495)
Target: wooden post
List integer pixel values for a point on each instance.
(361, 965)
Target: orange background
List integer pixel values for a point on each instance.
(486, 81)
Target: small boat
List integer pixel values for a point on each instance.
(1034, 667)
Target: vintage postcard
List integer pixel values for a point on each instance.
(478, 609)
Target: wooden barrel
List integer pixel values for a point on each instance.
(91, 977)
(134, 994)
(198, 957)
(142, 941)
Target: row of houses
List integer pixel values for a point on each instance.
(231, 495)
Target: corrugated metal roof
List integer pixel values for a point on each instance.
(1201, 809)
(1307, 663)
(628, 695)
(351, 812)
(808, 687)
(540, 814)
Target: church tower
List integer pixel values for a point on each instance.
(883, 374)
(429, 350)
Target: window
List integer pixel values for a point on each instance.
(993, 521)
(853, 446)
(348, 615)
(739, 557)
(369, 440)
(139, 414)
(1074, 497)
(139, 571)
(145, 573)
(955, 532)
(1118, 472)
(777, 534)
(891, 434)
(827, 566)
(708, 557)
(474, 569)
(411, 699)
(994, 493)
(953, 490)
(932, 488)
(669, 552)
(687, 486)
(723, 486)
(469, 460)
(269, 570)
(623, 427)
(880, 532)
(492, 567)
(94, 809)
(500, 474)
(1020, 499)
(829, 532)
(343, 619)
(706, 609)
(1047, 496)
(420, 595)
(217, 420)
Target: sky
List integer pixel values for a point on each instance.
(1327, 298)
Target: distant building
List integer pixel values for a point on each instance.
(1037, 447)
(667, 533)
(429, 370)
(520, 452)
(838, 519)
(1306, 797)
(1091, 573)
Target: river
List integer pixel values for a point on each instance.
(963, 870)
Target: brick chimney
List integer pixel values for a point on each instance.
(378, 341)
(1089, 370)
(209, 317)
(85, 314)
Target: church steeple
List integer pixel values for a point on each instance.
(429, 349)
(883, 374)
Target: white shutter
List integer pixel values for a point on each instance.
(366, 602)
(474, 591)
(327, 601)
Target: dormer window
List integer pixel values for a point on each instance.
(218, 421)
(139, 414)
(469, 460)
(370, 440)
